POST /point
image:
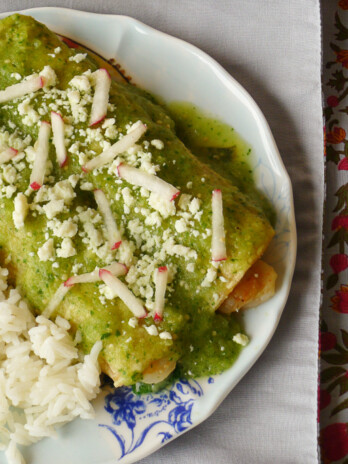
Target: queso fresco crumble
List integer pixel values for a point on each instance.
(109, 221)
(149, 221)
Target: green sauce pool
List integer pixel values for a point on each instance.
(219, 145)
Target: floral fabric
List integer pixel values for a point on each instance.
(333, 391)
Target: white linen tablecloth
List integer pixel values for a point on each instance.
(273, 48)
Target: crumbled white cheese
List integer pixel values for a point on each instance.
(62, 190)
(133, 322)
(16, 76)
(241, 339)
(209, 277)
(66, 250)
(12, 140)
(153, 219)
(127, 196)
(73, 179)
(78, 57)
(53, 208)
(173, 249)
(108, 122)
(157, 144)
(88, 186)
(76, 267)
(107, 292)
(89, 215)
(9, 190)
(9, 173)
(66, 229)
(163, 206)
(81, 83)
(57, 50)
(190, 267)
(111, 132)
(180, 225)
(50, 77)
(31, 117)
(165, 336)
(144, 192)
(46, 252)
(126, 252)
(20, 210)
(95, 236)
(78, 107)
(195, 205)
(184, 201)
(151, 330)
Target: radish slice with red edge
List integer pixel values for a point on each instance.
(58, 138)
(55, 300)
(32, 84)
(41, 153)
(116, 269)
(161, 279)
(119, 147)
(153, 183)
(7, 154)
(218, 243)
(123, 292)
(101, 96)
(113, 233)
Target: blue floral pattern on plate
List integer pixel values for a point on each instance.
(138, 420)
(169, 412)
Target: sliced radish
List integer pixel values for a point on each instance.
(32, 84)
(55, 300)
(116, 269)
(58, 138)
(119, 147)
(143, 179)
(161, 278)
(101, 96)
(41, 153)
(113, 233)
(218, 243)
(123, 292)
(7, 155)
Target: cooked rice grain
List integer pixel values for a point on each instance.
(42, 384)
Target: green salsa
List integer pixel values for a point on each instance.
(201, 340)
(221, 147)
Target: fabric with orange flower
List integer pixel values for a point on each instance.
(337, 135)
(333, 349)
(342, 57)
(343, 4)
(340, 300)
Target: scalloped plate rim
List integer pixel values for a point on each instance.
(267, 137)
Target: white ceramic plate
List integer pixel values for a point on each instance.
(128, 427)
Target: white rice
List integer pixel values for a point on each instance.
(42, 383)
